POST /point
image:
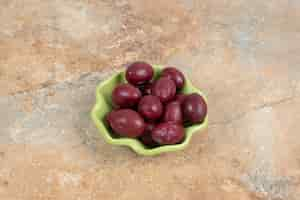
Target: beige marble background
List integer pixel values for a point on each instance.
(245, 55)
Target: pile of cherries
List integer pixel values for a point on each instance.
(154, 111)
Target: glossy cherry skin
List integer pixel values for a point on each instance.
(126, 123)
(150, 107)
(173, 112)
(168, 133)
(180, 98)
(194, 108)
(139, 73)
(165, 89)
(125, 95)
(176, 75)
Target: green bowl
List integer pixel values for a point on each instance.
(104, 105)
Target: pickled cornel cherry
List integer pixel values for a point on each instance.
(139, 73)
(165, 89)
(126, 122)
(168, 133)
(176, 75)
(173, 112)
(126, 95)
(150, 107)
(194, 108)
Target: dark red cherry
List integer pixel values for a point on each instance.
(150, 107)
(126, 123)
(176, 75)
(165, 89)
(168, 133)
(194, 108)
(126, 95)
(173, 112)
(139, 73)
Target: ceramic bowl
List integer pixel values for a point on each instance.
(103, 106)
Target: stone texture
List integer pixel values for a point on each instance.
(243, 54)
(43, 42)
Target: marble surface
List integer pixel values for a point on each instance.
(243, 54)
